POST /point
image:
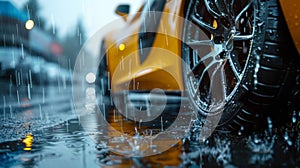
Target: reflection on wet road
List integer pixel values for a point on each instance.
(28, 108)
(39, 128)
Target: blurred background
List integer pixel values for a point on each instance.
(42, 38)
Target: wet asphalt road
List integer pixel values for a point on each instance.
(28, 108)
(40, 128)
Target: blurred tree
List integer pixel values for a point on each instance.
(72, 43)
(32, 8)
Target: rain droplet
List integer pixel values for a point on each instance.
(270, 125)
(161, 124)
(294, 118)
(271, 31)
(256, 139)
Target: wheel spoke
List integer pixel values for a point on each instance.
(217, 87)
(218, 58)
(243, 11)
(230, 7)
(207, 68)
(196, 44)
(235, 66)
(243, 37)
(202, 24)
(214, 53)
(231, 4)
(221, 6)
(210, 10)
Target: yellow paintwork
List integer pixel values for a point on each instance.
(123, 57)
(122, 49)
(291, 10)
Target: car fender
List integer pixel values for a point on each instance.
(291, 11)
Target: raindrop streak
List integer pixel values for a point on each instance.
(115, 116)
(104, 111)
(151, 139)
(4, 106)
(30, 78)
(167, 41)
(43, 95)
(80, 39)
(122, 63)
(18, 78)
(53, 24)
(10, 110)
(270, 125)
(64, 82)
(257, 66)
(58, 85)
(22, 50)
(126, 106)
(108, 80)
(18, 97)
(13, 38)
(102, 86)
(287, 139)
(129, 73)
(162, 124)
(141, 46)
(72, 107)
(17, 28)
(69, 65)
(140, 122)
(294, 118)
(28, 91)
(148, 109)
(14, 58)
(67, 125)
(41, 114)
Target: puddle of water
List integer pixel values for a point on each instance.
(68, 144)
(45, 136)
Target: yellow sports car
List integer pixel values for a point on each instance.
(239, 55)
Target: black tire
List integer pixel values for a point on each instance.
(269, 68)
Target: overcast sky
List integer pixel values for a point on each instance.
(94, 13)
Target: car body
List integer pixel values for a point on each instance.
(131, 26)
(249, 39)
(289, 8)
